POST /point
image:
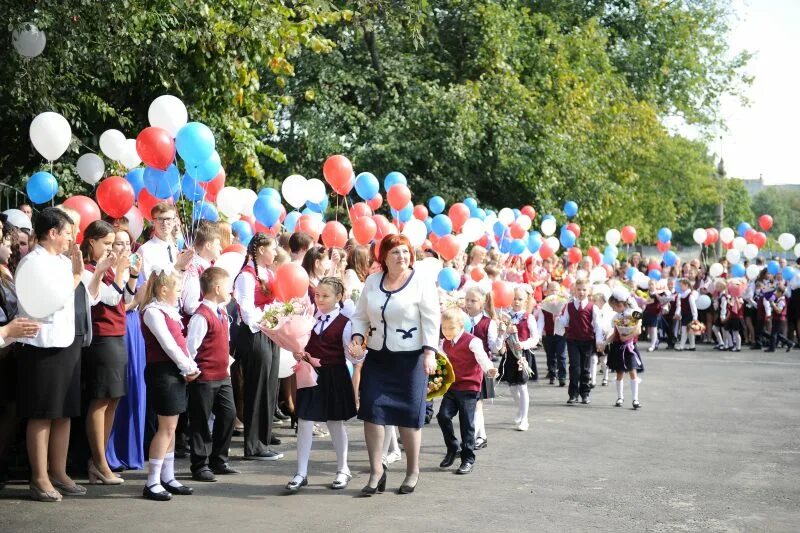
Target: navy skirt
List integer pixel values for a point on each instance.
(393, 389)
(332, 399)
(623, 358)
(166, 389)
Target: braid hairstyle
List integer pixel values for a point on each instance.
(259, 239)
(334, 283)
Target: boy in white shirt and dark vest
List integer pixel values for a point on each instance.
(584, 332)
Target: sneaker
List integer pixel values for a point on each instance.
(522, 426)
(586, 400)
(481, 443)
(393, 457)
(604, 383)
(619, 402)
(268, 455)
(279, 415)
(651, 349)
(562, 382)
(572, 399)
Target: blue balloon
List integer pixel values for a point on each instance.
(773, 267)
(468, 325)
(393, 178)
(517, 213)
(441, 225)
(490, 213)
(367, 185)
(654, 275)
(505, 245)
(664, 235)
(205, 211)
(611, 251)
(41, 187)
(738, 270)
(449, 279)
(405, 214)
(267, 211)
(270, 193)
(517, 246)
(162, 183)
(436, 205)
(429, 224)
(195, 143)
(500, 229)
(570, 209)
(136, 178)
(177, 194)
(243, 231)
(181, 243)
(481, 214)
(567, 239)
(291, 220)
(191, 188)
(670, 258)
(318, 208)
(471, 203)
(788, 273)
(630, 273)
(742, 228)
(546, 217)
(534, 242)
(207, 169)
(609, 259)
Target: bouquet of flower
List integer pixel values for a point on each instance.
(442, 378)
(288, 325)
(515, 349)
(697, 327)
(627, 324)
(554, 304)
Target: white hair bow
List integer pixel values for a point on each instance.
(164, 269)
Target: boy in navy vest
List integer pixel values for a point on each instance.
(469, 361)
(584, 332)
(208, 344)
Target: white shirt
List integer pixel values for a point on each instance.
(558, 327)
(156, 252)
(110, 295)
(323, 320)
(692, 305)
(476, 347)
(154, 320)
(190, 293)
(597, 322)
(493, 340)
(244, 289)
(198, 327)
(406, 319)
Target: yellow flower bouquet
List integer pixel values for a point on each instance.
(444, 376)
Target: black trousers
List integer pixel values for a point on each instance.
(667, 325)
(260, 359)
(461, 403)
(778, 327)
(580, 358)
(210, 447)
(555, 348)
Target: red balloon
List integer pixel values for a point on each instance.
(387, 228)
(213, 187)
(420, 212)
(502, 293)
(594, 253)
(483, 241)
(749, 234)
(628, 234)
(338, 172)
(477, 274)
(574, 228)
(88, 211)
(765, 222)
(516, 231)
(115, 196)
(530, 211)
(663, 246)
(236, 247)
(712, 236)
(147, 201)
(448, 247)
(458, 213)
(653, 265)
(380, 220)
(364, 230)
(567, 282)
(433, 238)
(398, 196)
(760, 239)
(306, 224)
(545, 251)
(282, 216)
(727, 245)
(291, 281)
(334, 235)
(360, 210)
(574, 255)
(156, 147)
(609, 270)
(376, 202)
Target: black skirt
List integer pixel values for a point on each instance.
(650, 320)
(393, 389)
(166, 389)
(49, 381)
(624, 358)
(105, 368)
(332, 399)
(509, 368)
(487, 388)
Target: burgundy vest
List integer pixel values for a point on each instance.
(212, 355)
(653, 309)
(469, 373)
(108, 320)
(761, 312)
(580, 326)
(523, 332)
(686, 309)
(549, 323)
(261, 298)
(780, 315)
(739, 312)
(155, 353)
(328, 346)
(481, 330)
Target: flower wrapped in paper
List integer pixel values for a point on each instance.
(697, 328)
(441, 379)
(288, 325)
(628, 324)
(305, 373)
(554, 304)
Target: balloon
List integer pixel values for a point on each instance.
(786, 240)
(364, 230)
(663, 246)
(712, 236)
(750, 251)
(448, 247)
(449, 279)
(392, 179)
(529, 211)
(598, 274)
(18, 219)
(315, 191)
(270, 193)
(162, 183)
(90, 168)
(87, 209)
(375, 202)
(506, 216)
(28, 40)
(229, 203)
(765, 222)
(574, 255)
(703, 302)
(191, 188)
(797, 250)
(420, 212)
(516, 231)
(699, 236)
(115, 196)
(231, 262)
(128, 156)
(477, 274)
(759, 239)
(459, 213)
(367, 185)
(613, 236)
(594, 253)
(654, 274)
(742, 228)
(309, 224)
(338, 172)
(416, 232)
(147, 201)
(334, 235)
(630, 273)
(628, 234)
(436, 205)
(548, 226)
(112, 143)
(214, 186)
(317, 208)
(502, 293)
(738, 270)
(247, 199)
(570, 209)
(398, 196)
(524, 222)
(534, 242)
(206, 170)
(773, 267)
(243, 231)
(739, 243)
(135, 222)
(545, 251)
(749, 234)
(406, 214)
(44, 284)
(291, 281)
(787, 273)
(41, 187)
(472, 229)
(155, 147)
(726, 235)
(294, 190)
(567, 239)
(168, 113)
(576, 229)
(736, 289)
(290, 222)
(499, 229)
(358, 210)
(664, 235)
(733, 256)
(716, 270)
(50, 134)
(204, 210)
(670, 258)
(195, 142)
(752, 271)
(553, 243)
(517, 246)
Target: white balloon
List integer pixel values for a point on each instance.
(294, 190)
(315, 191)
(428, 267)
(733, 255)
(506, 216)
(548, 227)
(90, 168)
(786, 240)
(135, 222)
(525, 222)
(462, 242)
(28, 40)
(472, 229)
(416, 232)
(230, 262)
(797, 251)
(488, 223)
(699, 236)
(18, 219)
(739, 243)
(753, 271)
(169, 113)
(128, 155)
(703, 302)
(726, 235)
(716, 270)
(613, 236)
(44, 284)
(112, 143)
(598, 275)
(229, 202)
(286, 364)
(751, 251)
(50, 134)
(553, 243)
(248, 198)
(601, 288)
(641, 280)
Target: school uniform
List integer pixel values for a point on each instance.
(156, 254)
(211, 393)
(470, 363)
(686, 313)
(780, 310)
(485, 329)
(191, 296)
(624, 357)
(667, 322)
(763, 319)
(555, 345)
(583, 331)
(528, 335)
(651, 312)
(734, 322)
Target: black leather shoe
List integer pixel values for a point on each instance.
(224, 470)
(562, 383)
(203, 475)
(378, 489)
(279, 415)
(180, 490)
(274, 441)
(408, 489)
(449, 459)
(552, 381)
(156, 496)
(465, 468)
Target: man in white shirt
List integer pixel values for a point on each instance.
(161, 250)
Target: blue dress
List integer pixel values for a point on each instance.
(126, 445)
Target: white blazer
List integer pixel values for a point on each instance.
(407, 319)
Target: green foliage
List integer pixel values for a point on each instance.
(783, 205)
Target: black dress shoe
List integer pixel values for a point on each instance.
(449, 459)
(156, 496)
(552, 381)
(204, 475)
(465, 468)
(407, 489)
(224, 470)
(562, 383)
(180, 490)
(279, 415)
(274, 441)
(268, 455)
(377, 489)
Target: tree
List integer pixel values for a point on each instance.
(783, 205)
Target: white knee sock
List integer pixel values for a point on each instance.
(523, 403)
(726, 338)
(717, 334)
(691, 340)
(604, 367)
(340, 444)
(480, 428)
(154, 475)
(737, 340)
(305, 436)
(684, 335)
(593, 368)
(635, 389)
(168, 471)
(620, 387)
(652, 333)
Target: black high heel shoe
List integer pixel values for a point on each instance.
(408, 489)
(378, 489)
